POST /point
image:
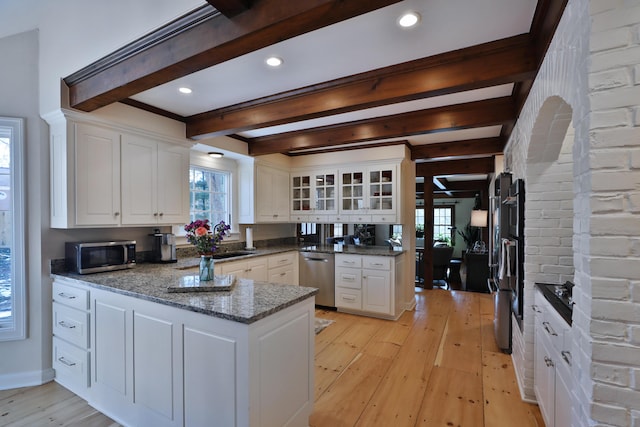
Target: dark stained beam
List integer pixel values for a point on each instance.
(469, 147)
(455, 167)
(455, 195)
(201, 40)
(488, 64)
(230, 8)
(461, 116)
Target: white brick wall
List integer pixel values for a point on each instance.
(591, 75)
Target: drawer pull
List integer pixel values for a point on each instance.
(348, 262)
(548, 362)
(66, 325)
(535, 308)
(349, 298)
(65, 296)
(283, 274)
(549, 329)
(349, 278)
(65, 361)
(377, 264)
(566, 355)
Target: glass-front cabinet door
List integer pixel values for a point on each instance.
(325, 192)
(301, 193)
(381, 189)
(352, 195)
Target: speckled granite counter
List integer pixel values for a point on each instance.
(247, 302)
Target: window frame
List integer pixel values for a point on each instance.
(229, 199)
(453, 220)
(15, 328)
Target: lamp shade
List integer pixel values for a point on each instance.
(479, 218)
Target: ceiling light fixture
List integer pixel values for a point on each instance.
(215, 154)
(185, 90)
(274, 61)
(409, 19)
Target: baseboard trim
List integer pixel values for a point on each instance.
(26, 379)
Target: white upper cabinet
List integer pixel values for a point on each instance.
(97, 183)
(263, 193)
(369, 193)
(155, 182)
(314, 196)
(104, 177)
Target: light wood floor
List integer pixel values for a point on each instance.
(436, 366)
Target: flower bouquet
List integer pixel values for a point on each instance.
(206, 241)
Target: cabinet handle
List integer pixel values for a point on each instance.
(566, 355)
(65, 361)
(161, 213)
(116, 213)
(66, 325)
(535, 308)
(549, 329)
(65, 296)
(348, 298)
(377, 264)
(548, 362)
(155, 214)
(349, 278)
(348, 262)
(283, 274)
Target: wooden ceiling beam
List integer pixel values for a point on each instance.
(503, 61)
(200, 40)
(461, 116)
(455, 167)
(230, 8)
(468, 147)
(461, 195)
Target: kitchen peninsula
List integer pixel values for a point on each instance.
(145, 356)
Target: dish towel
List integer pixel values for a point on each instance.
(505, 259)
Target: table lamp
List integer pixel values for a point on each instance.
(479, 219)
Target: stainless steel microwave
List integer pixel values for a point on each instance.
(95, 257)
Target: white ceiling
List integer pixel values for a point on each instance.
(360, 44)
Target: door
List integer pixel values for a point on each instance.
(376, 288)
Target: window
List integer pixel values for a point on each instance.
(210, 195)
(442, 222)
(12, 284)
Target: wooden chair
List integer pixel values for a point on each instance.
(441, 258)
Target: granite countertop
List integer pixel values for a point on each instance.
(353, 249)
(247, 302)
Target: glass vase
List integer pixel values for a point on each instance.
(206, 267)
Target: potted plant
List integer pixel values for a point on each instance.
(469, 235)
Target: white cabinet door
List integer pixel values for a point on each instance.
(272, 194)
(236, 269)
(110, 352)
(139, 178)
(155, 179)
(376, 289)
(97, 183)
(284, 275)
(257, 269)
(563, 402)
(173, 184)
(544, 378)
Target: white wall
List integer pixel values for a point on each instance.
(30, 359)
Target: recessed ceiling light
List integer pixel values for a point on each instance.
(215, 154)
(409, 19)
(274, 61)
(184, 90)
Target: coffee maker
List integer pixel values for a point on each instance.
(164, 247)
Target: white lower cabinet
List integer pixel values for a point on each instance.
(254, 269)
(282, 268)
(157, 365)
(552, 364)
(71, 357)
(368, 284)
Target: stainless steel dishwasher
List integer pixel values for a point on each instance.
(317, 270)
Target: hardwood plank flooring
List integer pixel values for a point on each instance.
(436, 366)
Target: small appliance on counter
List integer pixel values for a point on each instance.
(164, 247)
(96, 257)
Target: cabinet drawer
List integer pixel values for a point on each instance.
(376, 262)
(348, 298)
(349, 277)
(387, 218)
(71, 325)
(279, 260)
(281, 275)
(71, 364)
(351, 261)
(70, 295)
